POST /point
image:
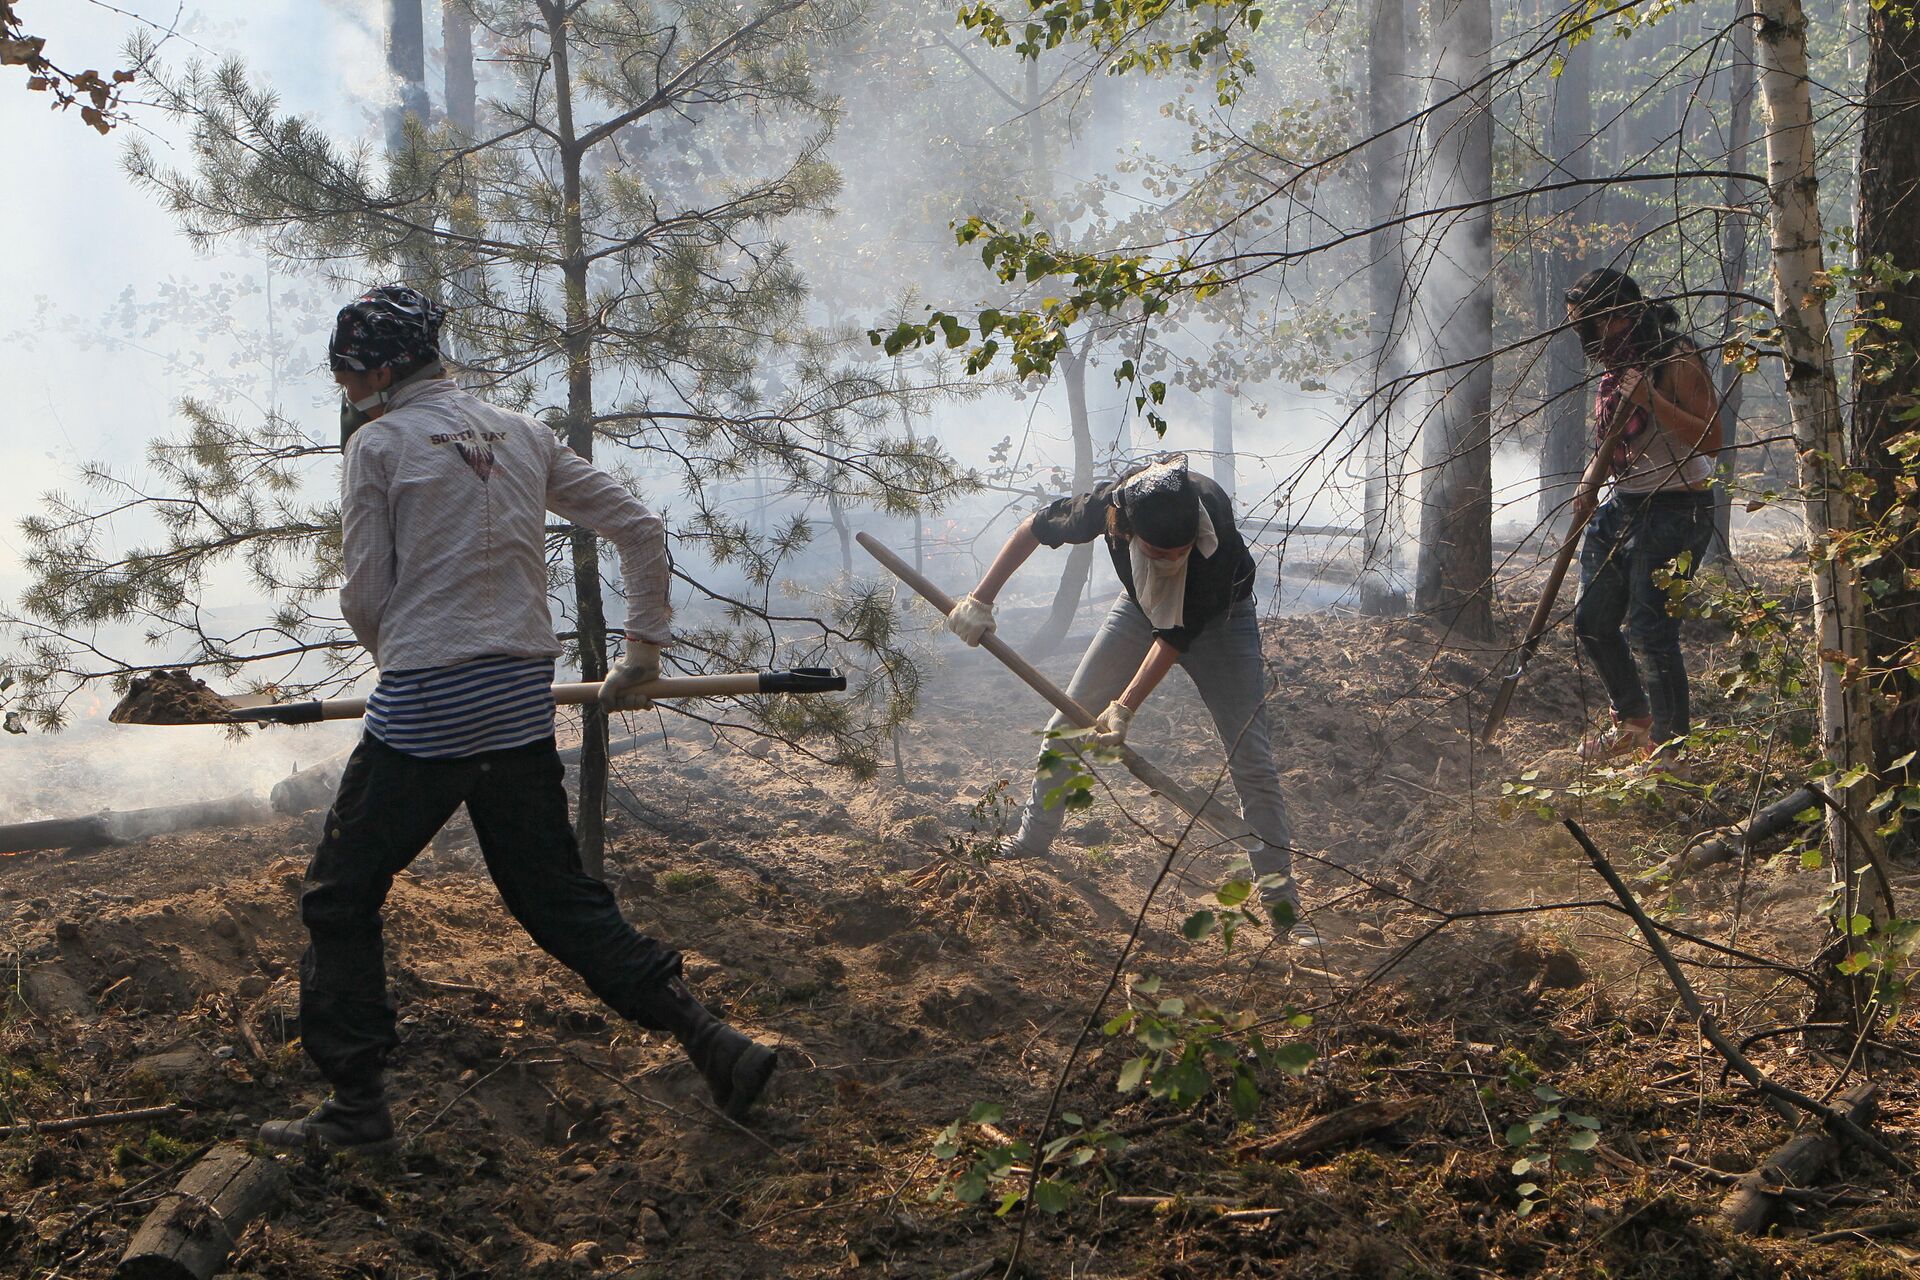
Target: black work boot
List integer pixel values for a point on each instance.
(734, 1067)
(355, 1119)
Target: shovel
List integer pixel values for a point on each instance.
(798, 680)
(1589, 485)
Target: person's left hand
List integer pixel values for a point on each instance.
(1110, 728)
(1638, 389)
(638, 668)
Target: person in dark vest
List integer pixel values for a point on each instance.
(444, 502)
(1187, 602)
(1657, 517)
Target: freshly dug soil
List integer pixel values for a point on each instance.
(171, 697)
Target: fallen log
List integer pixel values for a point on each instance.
(192, 1231)
(1336, 1129)
(100, 830)
(1732, 842)
(1795, 1163)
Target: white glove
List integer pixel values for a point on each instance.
(640, 666)
(1110, 730)
(971, 620)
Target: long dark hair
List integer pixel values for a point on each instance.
(1655, 335)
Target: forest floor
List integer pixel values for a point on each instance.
(908, 981)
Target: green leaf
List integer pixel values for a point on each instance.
(1582, 1140)
(1528, 1188)
(1859, 925)
(1547, 1093)
(1810, 860)
(1519, 1135)
(971, 1187)
(1198, 925)
(1118, 1024)
(1244, 1096)
(1294, 1058)
(1132, 1074)
(1234, 892)
(1171, 1007)
(1148, 985)
(1522, 1165)
(1050, 1196)
(986, 1113)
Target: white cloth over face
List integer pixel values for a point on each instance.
(1160, 586)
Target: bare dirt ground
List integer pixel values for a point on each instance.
(906, 981)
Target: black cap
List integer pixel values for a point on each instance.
(1161, 504)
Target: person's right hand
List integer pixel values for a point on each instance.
(971, 619)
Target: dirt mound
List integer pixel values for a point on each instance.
(927, 1000)
(170, 697)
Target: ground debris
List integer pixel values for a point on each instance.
(171, 697)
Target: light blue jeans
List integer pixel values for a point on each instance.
(1224, 663)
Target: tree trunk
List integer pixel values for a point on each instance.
(407, 62)
(1564, 452)
(1454, 579)
(1387, 178)
(1073, 580)
(1224, 471)
(191, 1232)
(456, 33)
(1813, 398)
(1889, 227)
(1733, 274)
(589, 614)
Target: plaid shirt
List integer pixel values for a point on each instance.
(443, 527)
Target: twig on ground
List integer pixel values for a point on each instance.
(88, 1122)
(1783, 1099)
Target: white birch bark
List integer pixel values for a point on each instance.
(1813, 395)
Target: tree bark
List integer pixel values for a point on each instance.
(589, 612)
(1889, 228)
(1564, 451)
(456, 34)
(191, 1232)
(1387, 179)
(1813, 398)
(1224, 472)
(407, 62)
(1733, 273)
(1455, 575)
(1073, 579)
(1793, 1164)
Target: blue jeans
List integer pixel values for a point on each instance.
(1631, 536)
(1224, 663)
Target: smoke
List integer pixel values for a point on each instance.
(94, 766)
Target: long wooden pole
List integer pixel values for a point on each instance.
(1590, 481)
(1215, 816)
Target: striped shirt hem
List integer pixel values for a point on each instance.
(446, 713)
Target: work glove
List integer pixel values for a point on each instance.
(971, 620)
(640, 666)
(1110, 729)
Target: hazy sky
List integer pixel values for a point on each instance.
(85, 233)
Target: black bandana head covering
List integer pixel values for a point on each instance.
(1160, 503)
(389, 327)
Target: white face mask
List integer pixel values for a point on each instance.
(1164, 568)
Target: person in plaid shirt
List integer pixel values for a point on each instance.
(444, 502)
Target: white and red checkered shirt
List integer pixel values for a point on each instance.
(443, 516)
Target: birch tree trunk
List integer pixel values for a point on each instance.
(1813, 396)
(1225, 474)
(1387, 179)
(1453, 582)
(1073, 580)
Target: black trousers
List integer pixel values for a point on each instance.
(389, 806)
